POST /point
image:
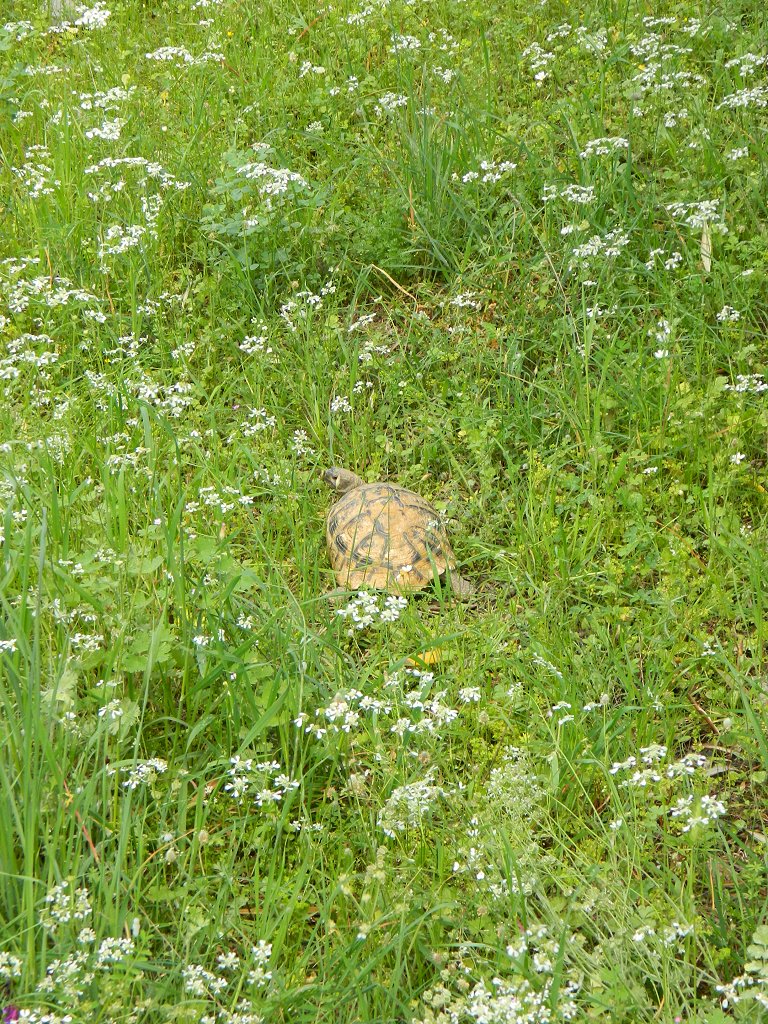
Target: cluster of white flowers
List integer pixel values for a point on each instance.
(341, 715)
(184, 350)
(361, 322)
(89, 18)
(591, 42)
(520, 1000)
(663, 21)
(112, 711)
(142, 773)
(756, 97)
(408, 805)
(598, 247)
(64, 904)
(513, 788)
(264, 782)
(199, 982)
(274, 183)
(652, 47)
(109, 99)
(511, 996)
(236, 972)
(340, 403)
(688, 810)
(389, 102)
(749, 383)
(697, 215)
(747, 63)
(150, 307)
(300, 444)
(542, 662)
(172, 399)
(580, 194)
(693, 27)
(180, 57)
(555, 713)
(254, 344)
(466, 300)
(673, 117)
(148, 170)
(108, 130)
(403, 712)
(470, 695)
(10, 966)
(490, 172)
(654, 755)
(359, 17)
(369, 349)
(119, 239)
(106, 191)
(400, 43)
(604, 147)
(744, 987)
(18, 30)
(268, 478)
(35, 175)
(560, 32)
(113, 951)
(35, 350)
(151, 207)
(258, 420)
(600, 312)
(538, 60)
(670, 934)
(46, 70)
(702, 811)
(444, 42)
(654, 80)
(670, 262)
(305, 304)
(308, 68)
(367, 608)
(351, 85)
(661, 334)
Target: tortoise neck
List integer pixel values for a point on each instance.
(350, 482)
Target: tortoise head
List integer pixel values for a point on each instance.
(341, 479)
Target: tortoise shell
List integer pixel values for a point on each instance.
(387, 537)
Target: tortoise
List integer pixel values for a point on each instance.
(384, 536)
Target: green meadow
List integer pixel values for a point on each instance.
(512, 256)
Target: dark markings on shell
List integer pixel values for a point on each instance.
(381, 527)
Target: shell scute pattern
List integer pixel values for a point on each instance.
(387, 537)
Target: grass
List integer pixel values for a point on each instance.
(512, 257)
